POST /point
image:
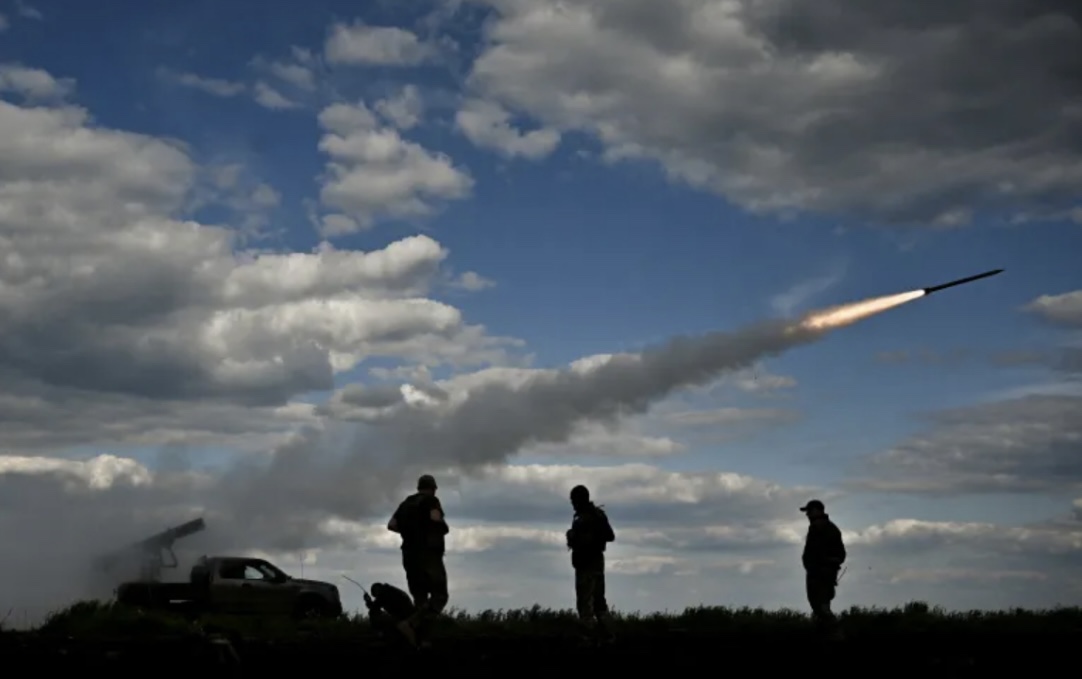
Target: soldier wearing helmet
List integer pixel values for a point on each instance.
(590, 532)
(420, 521)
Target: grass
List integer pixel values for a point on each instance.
(96, 620)
(538, 642)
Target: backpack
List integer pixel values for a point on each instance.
(414, 523)
(592, 530)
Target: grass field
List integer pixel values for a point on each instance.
(536, 642)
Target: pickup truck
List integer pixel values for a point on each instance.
(237, 585)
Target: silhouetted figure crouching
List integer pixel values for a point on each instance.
(420, 521)
(824, 554)
(590, 532)
(388, 606)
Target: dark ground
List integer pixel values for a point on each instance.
(674, 653)
(916, 640)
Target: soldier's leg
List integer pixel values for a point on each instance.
(820, 593)
(438, 596)
(601, 604)
(584, 595)
(416, 578)
(417, 583)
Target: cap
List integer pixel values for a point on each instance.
(813, 504)
(426, 482)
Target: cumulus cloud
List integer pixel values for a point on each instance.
(299, 70)
(784, 106)
(374, 173)
(362, 44)
(1027, 444)
(105, 289)
(487, 125)
(472, 281)
(1064, 309)
(268, 97)
(404, 109)
(34, 84)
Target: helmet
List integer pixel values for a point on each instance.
(426, 482)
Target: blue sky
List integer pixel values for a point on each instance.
(591, 257)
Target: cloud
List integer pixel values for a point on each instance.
(784, 107)
(120, 319)
(4, 23)
(1026, 444)
(624, 441)
(233, 186)
(361, 44)
(755, 380)
(297, 74)
(268, 97)
(404, 110)
(472, 281)
(731, 416)
(1064, 309)
(487, 125)
(33, 83)
(214, 86)
(137, 302)
(374, 173)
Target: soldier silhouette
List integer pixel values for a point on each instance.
(824, 554)
(590, 532)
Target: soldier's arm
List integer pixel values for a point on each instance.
(839, 546)
(827, 546)
(436, 515)
(607, 532)
(392, 525)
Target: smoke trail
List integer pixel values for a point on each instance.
(434, 430)
(497, 420)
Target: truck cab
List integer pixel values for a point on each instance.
(256, 586)
(240, 585)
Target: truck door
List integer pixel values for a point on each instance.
(230, 589)
(279, 592)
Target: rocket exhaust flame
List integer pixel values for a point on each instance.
(847, 314)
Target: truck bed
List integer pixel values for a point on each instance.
(156, 593)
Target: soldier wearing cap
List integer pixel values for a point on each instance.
(420, 521)
(824, 554)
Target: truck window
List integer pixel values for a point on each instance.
(255, 573)
(231, 571)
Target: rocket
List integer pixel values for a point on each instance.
(936, 288)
